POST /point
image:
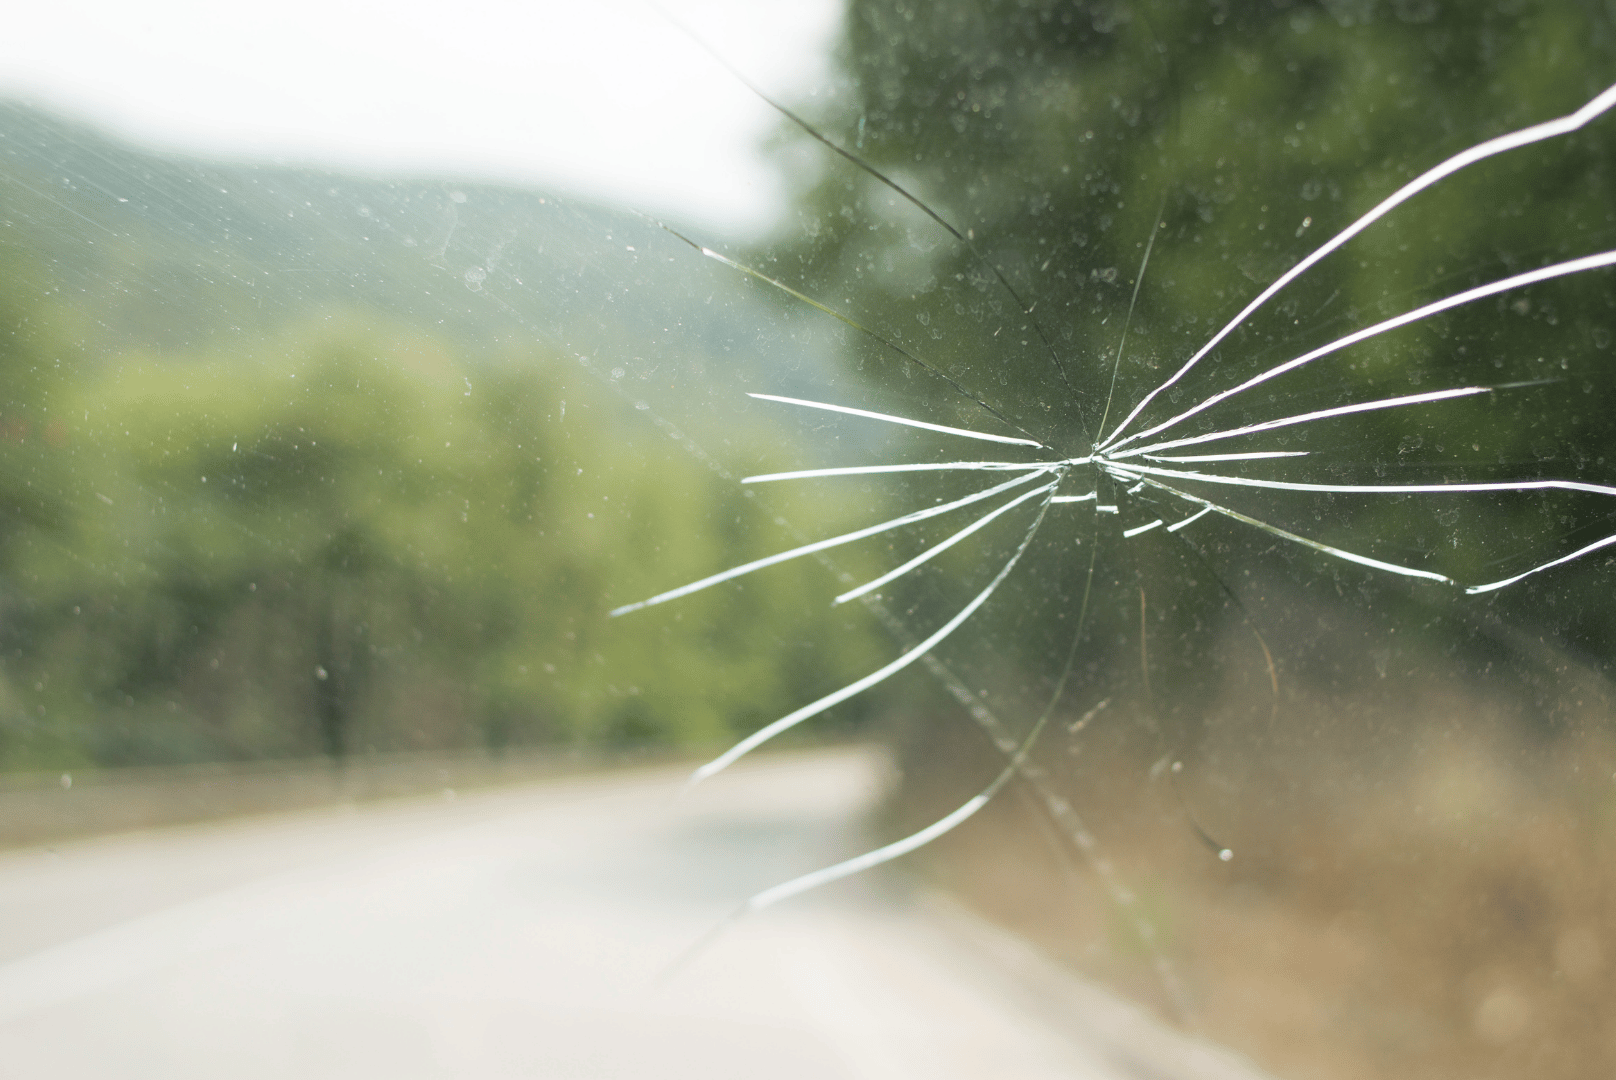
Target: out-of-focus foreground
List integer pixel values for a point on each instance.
(1437, 901)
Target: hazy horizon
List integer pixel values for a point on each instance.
(649, 120)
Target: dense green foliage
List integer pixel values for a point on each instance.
(1229, 140)
(346, 533)
(1254, 733)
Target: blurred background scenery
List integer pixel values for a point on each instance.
(345, 447)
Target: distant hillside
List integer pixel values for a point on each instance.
(297, 463)
(169, 252)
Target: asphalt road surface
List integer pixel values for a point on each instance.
(522, 933)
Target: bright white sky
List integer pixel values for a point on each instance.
(601, 97)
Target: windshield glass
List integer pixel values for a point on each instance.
(1207, 410)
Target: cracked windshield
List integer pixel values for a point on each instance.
(885, 539)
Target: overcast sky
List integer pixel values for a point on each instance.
(602, 97)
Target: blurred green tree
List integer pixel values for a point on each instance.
(1064, 141)
(330, 543)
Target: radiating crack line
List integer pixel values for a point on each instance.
(812, 709)
(1574, 266)
(907, 467)
(1316, 545)
(1369, 489)
(1304, 418)
(1255, 455)
(1481, 151)
(966, 238)
(887, 417)
(1520, 485)
(938, 549)
(821, 545)
(1579, 553)
(869, 859)
(1177, 525)
(1133, 303)
(958, 386)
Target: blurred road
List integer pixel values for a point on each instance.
(520, 933)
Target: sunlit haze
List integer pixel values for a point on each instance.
(606, 99)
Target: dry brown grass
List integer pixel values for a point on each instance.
(1441, 905)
